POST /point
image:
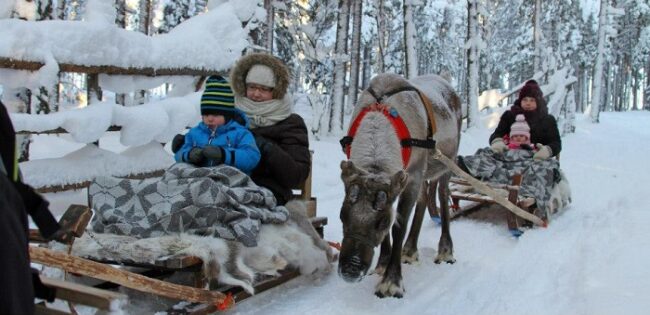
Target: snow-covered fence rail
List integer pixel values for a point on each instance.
(141, 128)
(16, 64)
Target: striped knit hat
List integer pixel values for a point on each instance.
(217, 98)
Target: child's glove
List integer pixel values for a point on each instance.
(178, 142)
(544, 152)
(195, 156)
(498, 146)
(213, 153)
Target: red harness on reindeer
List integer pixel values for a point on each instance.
(396, 121)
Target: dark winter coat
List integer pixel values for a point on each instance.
(543, 127)
(286, 161)
(236, 141)
(16, 201)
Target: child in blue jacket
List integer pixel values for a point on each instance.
(222, 137)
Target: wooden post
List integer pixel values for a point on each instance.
(511, 218)
(122, 277)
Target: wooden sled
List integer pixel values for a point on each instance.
(146, 278)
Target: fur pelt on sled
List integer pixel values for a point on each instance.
(294, 243)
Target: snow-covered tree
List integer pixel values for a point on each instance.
(605, 31)
(473, 46)
(174, 12)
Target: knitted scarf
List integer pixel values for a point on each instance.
(266, 113)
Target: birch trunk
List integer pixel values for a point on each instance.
(340, 60)
(472, 63)
(410, 42)
(140, 97)
(120, 21)
(537, 31)
(355, 53)
(381, 36)
(270, 21)
(596, 96)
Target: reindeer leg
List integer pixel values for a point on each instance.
(432, 208)
(445, 245)
(410, 251)
(384, 256)
(391, 283)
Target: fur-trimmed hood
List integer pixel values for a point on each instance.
(241, 68)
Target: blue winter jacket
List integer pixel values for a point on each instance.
(236, 140)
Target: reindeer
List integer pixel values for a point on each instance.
(387, 161)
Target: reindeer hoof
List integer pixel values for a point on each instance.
(410, 257)
(445, 257)
(389, 289)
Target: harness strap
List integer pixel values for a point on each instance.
(425, 100)
(429, 107)
(410, 142)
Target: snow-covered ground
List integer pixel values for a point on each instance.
(592, 259)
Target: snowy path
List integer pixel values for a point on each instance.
(591, 260)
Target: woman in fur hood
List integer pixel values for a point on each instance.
(260, 82)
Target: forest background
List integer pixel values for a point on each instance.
(589, 55)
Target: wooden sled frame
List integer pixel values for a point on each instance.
(202, 301)
(477, 201)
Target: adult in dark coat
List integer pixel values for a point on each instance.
(19, 282)
(260, 82)
(544, 133)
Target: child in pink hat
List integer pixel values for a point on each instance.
(519, 137)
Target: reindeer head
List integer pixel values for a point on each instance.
(367, 215)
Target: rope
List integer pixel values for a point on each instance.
(485, 189)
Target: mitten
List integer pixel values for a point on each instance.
(498, 146)
(178, 142)
(543, 152)
(213, 153)
(195, 156)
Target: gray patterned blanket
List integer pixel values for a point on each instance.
(539, 177)
(217, 201)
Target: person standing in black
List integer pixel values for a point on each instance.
(20, 283)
